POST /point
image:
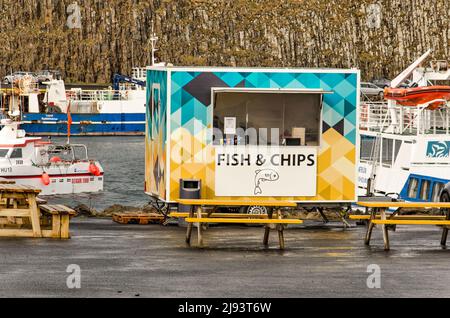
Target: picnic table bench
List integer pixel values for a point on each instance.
(60, 215)
(378, 216)
(21, 202)
(204, 214)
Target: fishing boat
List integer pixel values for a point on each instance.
(405, 142)
(55, 169)
(118, 110)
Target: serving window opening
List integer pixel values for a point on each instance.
(273, 118)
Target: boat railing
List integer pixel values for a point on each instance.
(374, 116)
(97, 95)
(69, 152)
(139, 72)
(5, 90)
(378, 117)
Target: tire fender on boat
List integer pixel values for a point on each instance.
(45, 178)
(94, 169)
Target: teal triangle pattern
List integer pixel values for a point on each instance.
(339, 108)
(231, 78)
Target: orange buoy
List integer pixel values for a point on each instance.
(45, 178)
(94, 169)
(55, 159)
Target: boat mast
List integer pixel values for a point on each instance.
(153, 40)
(11, 108)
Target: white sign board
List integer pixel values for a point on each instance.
(432, 150)
(230, 125)
(259, 171)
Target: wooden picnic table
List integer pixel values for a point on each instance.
(20, 202)
(378, 216)
(199, 206)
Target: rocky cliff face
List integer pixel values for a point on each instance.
(380, 38)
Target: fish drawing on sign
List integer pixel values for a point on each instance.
(263, 176)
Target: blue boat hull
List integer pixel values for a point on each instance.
(84, 124)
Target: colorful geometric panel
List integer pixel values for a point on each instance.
(191, 122)
(156, 133)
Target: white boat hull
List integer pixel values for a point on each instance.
(55, 169)
(64, 178)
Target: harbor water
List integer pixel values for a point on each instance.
(122, 159)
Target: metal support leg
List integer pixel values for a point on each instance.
(342, 217)
(324, 217)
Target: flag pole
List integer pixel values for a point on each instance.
(69, 123)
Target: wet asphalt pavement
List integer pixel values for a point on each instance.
(153, 261)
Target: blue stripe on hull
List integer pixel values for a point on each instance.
(113, 117)
(102, 124)
(85, 129)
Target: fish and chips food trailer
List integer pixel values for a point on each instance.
(252, 133)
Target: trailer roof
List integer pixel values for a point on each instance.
(252, 69)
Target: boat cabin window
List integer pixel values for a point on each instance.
(398, 145)
(388, 151)
(267, 118)
(16, 153)
(413, 188)
(425, 189)
(437, 188)
(80, 152)
(3, 153)
(68, 152)
(367, 146)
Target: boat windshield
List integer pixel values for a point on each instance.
(3, 153)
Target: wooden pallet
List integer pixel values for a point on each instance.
(6, 181)
(137, 218)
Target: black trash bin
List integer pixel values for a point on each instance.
(189, 189)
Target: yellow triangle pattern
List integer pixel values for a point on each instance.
(192, 158)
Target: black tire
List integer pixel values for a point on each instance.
(256, 209)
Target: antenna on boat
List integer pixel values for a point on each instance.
(11, 107)
(153, 40)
